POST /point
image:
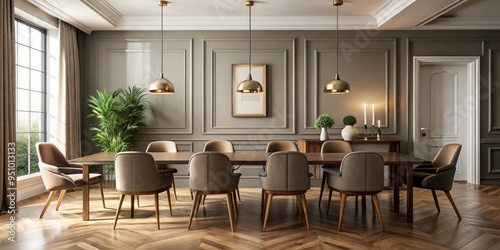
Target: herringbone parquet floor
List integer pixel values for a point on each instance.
(64, 229)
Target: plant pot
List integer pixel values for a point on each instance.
(349, 133)
(324, 134)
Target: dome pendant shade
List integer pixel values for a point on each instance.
(161, 86)
(249, 86)
(337, 86)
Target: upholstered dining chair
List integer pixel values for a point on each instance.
(59, 174)
(360, 173)
(287, 173)
(223, 146)
(136, 175)
(275, 146)
(332, 146)
(439, 174)
(212, 173)
(164, 169)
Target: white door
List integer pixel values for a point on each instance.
(444, 108)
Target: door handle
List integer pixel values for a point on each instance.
(422, 130)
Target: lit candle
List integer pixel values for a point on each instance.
(378, 123)
(364, 113)
(373, 114)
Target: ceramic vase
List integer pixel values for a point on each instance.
(349, 133)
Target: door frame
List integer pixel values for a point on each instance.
(473, 84)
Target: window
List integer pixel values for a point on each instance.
(30, 94)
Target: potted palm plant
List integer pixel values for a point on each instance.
(349, 132)
(323, 122)
(119, 115)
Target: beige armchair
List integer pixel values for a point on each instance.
(59, 174)
(164, 169)
(287, 173)
(360, 173)
(212, 173)
(332, 147)
(136, 175)
(275, 146)
(439, 175)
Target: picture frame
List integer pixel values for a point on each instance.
(249, 104)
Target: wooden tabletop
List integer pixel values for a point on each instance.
(250, 158)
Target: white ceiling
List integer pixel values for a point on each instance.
(93, 15)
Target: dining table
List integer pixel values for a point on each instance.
(392, 159)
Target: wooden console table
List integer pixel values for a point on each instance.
(314, 145)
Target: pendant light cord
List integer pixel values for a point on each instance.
(337, 38)
(161, 70)
(250, 40)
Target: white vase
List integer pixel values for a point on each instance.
(349, 133)
(324, 134)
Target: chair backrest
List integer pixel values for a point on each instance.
(335, 146)
(275, 146)
(360, 172)
(219, 146)
(162, 146)
(211, 171)
(286, 171)
(136, 172)
(48, 153)
(447, 157)
(50, 160)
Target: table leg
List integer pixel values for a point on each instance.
(409, 194)
(396, 183)
(85, 192)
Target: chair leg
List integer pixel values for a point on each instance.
(173, 186)
(448, 194)
(169, 202)
(262, 204)
(138, 205)
(198, 203)
(132, 206)
(102, 195)
(268, 207)
(435, 199)
(329, 200)
(229, 200)
(304, 208)
(118, 210)
(193, 209)
(323, 181)
(238, 193)
(377, 207)
(157, 210)
(61, 197)
(342, 206)
(363, 203)
(191, 192)
(299, 202)
(47, 203)
(235, 201)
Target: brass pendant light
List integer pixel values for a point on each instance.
(161, 85)
(249, 85)
(337, 86)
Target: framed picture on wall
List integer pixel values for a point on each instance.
(249, 104)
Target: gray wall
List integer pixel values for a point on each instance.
(377, 64)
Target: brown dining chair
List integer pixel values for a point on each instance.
(439, 174)
(332, 146)
(164, 169)
(360, 173)
(136, 175)
(59, 174)
(287, 173)
(275, 146)
(222, 146)
(212, 173)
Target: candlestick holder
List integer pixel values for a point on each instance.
(372, 132)
(379, 134)
(365, 132)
